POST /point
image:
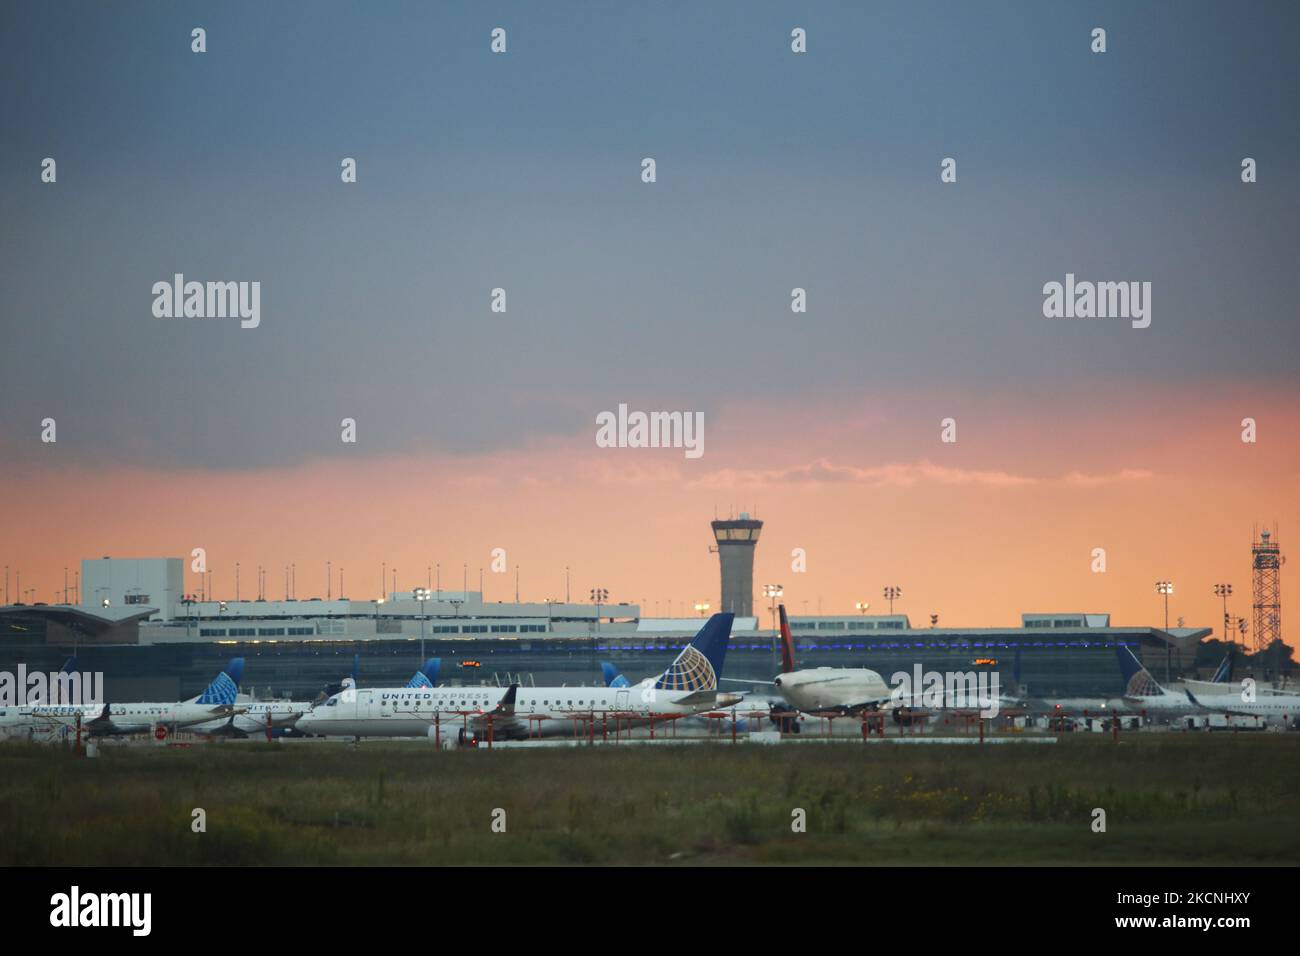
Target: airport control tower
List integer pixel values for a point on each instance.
(736, 539)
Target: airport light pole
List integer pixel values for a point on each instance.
(422, 595)
(598, 597)
(772, 592)
(701, 607)
(1166, 588)
(1225, 591)
(862, 607)
(892, 593)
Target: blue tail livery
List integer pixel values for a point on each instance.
(699, 665)
(1138, 681)
(427, 675)
(1224, 674)
(225, 688)
(612, 677)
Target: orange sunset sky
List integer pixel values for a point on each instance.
(1003, 521)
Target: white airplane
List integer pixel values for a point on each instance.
(824, 689)
(842, 691)
(819, 691)
(1223, 684)
(1142, 694)
(1273, 708)
(106, 719)
(467, 714)
(284, 714)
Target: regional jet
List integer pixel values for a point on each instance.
(1282, 709)
(106, 719)
(284, 714)
(1142, 693)
(467, 714)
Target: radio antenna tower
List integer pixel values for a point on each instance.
(1266, 573)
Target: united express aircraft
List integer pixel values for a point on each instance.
(689, 686)
(106, 719)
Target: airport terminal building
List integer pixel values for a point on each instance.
(153, 643)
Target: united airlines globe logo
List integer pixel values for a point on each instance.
(1141, 684)
(691, 671)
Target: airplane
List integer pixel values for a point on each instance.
(284, 714)
(1142, 694)
(108, 719)
(1283, 708)
(819, 691)
(1223, 684)
(466, 714)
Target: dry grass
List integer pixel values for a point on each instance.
(1169, 798)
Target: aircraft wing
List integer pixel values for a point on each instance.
(1233, 712)
(856, 707)
(708, 698)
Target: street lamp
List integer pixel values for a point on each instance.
(862, 607)
(1166, 588)
(421, 595)
(773, 591)
(892, 593)
(701, 607)
(1225, 591)
(598, 597)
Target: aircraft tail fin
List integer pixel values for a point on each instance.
(699, 665)
(427, 675)
(225, 688)
(1138, 681)
(506, 706)
(787, 642)
(612, 677)
(69, 666)
(1224, 673)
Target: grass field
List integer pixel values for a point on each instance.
(1169, 798)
